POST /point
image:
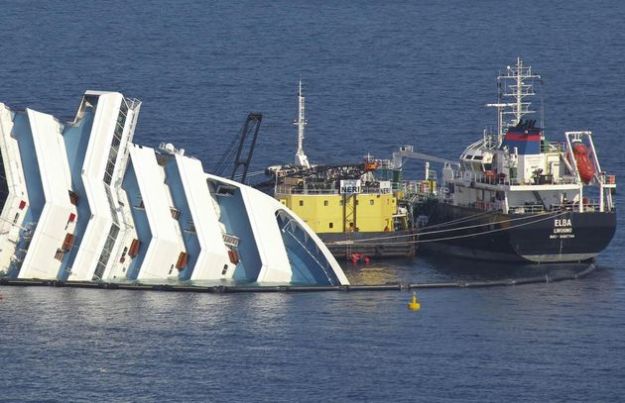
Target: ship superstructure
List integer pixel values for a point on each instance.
(81, 202)
(518, 196)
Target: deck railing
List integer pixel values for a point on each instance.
(289, 190)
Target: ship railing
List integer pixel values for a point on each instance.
(287, 190)
(486, 206)
(419, 197)
(504, 180)
(567, 206)
(566, 180)
(574, 206)
(607, 179)
(398, 187)
(592, 207)
(564, 207)
(493, 180)
(376, 190)
(132, 103)
(527, 208)
(412, 187)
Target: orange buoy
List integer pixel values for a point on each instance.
(585, 166)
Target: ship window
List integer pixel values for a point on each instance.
(190, 227)
(371, 202)
(183, 259)
(308, 262)
(224, 190)
(68, 243)
(73, 197)
(139, 204)
(175, 213)
(325, 202)
(301, 202)
(331, 225)
(59, 254)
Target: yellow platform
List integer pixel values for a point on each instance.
(336, 213)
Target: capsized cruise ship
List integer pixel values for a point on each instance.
(81, 202)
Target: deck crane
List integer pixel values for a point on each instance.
(408, 152)
(239, 153)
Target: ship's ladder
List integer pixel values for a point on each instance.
(349, 212)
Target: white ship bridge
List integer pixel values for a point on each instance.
(81, 202)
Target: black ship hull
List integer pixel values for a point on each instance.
(554, 237)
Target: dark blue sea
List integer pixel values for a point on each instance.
(376, 75)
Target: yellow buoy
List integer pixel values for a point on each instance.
(414, 304)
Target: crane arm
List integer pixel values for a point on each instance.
(408, 152)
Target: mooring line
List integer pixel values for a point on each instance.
(536, 217)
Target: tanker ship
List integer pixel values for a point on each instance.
(515, 196)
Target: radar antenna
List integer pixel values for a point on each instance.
(515, 86)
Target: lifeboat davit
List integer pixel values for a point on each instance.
(585, 166)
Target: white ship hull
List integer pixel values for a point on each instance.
(81, 202)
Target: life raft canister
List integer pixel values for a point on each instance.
(585, 166)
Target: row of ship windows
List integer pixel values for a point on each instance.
(327, 203)
(175, 214)
(351, 226)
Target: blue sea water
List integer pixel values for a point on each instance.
(376, 75)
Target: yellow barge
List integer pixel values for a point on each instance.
(346, 205)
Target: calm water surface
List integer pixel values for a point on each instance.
(376, 75)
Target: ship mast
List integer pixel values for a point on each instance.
(515, 86)
(300, 157)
